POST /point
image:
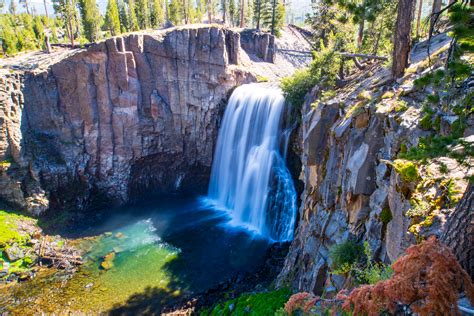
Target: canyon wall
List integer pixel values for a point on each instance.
(127, 116)
(348, 145)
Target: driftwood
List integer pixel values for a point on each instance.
(341, 82)
(302, 52)
(64, 257)
(364, 56)
(70, 46)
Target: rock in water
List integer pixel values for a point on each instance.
(108, 261)
(14, 253)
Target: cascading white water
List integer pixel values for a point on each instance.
(249, 176)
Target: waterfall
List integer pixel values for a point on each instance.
(249, 176)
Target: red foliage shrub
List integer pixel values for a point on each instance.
(300, 301)
(428, 279)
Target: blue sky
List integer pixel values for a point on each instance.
(299, 6)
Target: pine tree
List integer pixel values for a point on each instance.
(224, 10)
(123, 16)
(242, 13)
(8, 39)
(132, 16)
(232, 12)
(67, 11)
(257, 13)
(45, 8)
(402, 38)
(175, 11)
(200, 9)
(143, 15)
(157, 16)
(434, 9)
(112, 19)
(90, 19)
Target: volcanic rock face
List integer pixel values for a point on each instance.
(352, 189)
(126, 116)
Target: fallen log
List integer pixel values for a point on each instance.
(365, 56)
(58, 257)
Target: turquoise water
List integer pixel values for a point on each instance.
(158, 252)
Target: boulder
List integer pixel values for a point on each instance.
(14, 252)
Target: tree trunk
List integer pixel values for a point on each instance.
(379, 35)
(360, 33)
(71, 33)
(45, 8)
(436, 8)
(242, 9)
(224, 9)
(27, 7)
(258, 13)
(273, 17)
(402, 38)
(47, 44)
(209, 13)
(418, 18)
(459, 231)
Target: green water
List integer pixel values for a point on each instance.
(160, 255)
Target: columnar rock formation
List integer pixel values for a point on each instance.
(126, 116)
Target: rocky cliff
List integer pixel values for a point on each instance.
(357, 188)
(133, 114)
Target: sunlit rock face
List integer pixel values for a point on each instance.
(347, 148)
(127, 116)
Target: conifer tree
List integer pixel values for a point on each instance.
(132, 16)
(175, 11)
(157, 16)
(224, 10)
(112, 19)
(402, 38)
(200, 9)
(257, 13)
(90, 19)
(232, 12)
(45, 8)
(123, 16)
(67, 11)
(143, 15)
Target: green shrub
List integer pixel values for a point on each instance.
(443, 168)
(407, 170)
(344, 255)
(386, 215)
(371, 272)
(401, 106)
(322, 71)
(433, 98)
(267, 303)
(425, 122)
(297, 86)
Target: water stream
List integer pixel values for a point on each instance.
(249, 176)
(168, 248)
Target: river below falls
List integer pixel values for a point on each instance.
(161, 251)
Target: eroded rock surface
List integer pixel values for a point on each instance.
(352, 190)
(127, 116)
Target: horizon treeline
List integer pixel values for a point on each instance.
(77, 22)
